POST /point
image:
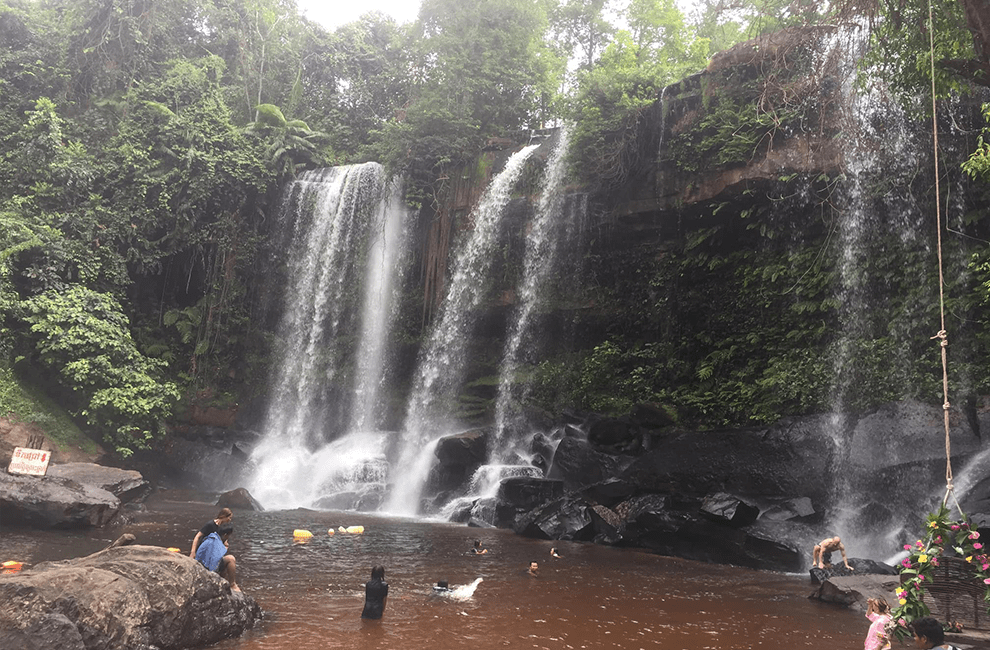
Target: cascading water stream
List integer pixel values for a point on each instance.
(443, 357)
(347, 235)
(550, 228)
(881, 157)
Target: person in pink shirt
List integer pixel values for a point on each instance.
(878, 611)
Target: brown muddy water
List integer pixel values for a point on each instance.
(592, 597)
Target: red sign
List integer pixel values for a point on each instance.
(29, 461)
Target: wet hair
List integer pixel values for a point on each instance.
(224, 514)
(225, 530)
(477, 543)
(532, 562)
(882, 606)
(378, 572)
(442, 584)
(929, 628)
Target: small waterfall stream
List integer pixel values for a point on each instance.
(443, 356)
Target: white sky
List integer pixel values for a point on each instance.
(334, 13)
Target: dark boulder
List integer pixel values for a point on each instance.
(609, 492)
(126, 484)
(467, 448)
(611, 432)
(458, 456)
(904, 432)
(54, 502)
(577, 463)
(207, 464)
(565, 518)
(855, 590)
(239, 499)
(860, 567)
(520, 494)
(607, 525)
(729, 509)
(136, 597)
(790, 459)
(542, 447)
(800, 509)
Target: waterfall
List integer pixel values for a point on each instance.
(344, 259)
(443, 357)
(878, 217)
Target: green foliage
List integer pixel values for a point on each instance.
(23, 402)
(627, 79)
(978, 165)
(901, 51)
(82, 337)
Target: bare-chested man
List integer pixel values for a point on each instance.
(821, 557)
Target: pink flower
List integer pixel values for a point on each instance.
(986, 581)
(977, 545)
(938, 540)
(921, 578)
(935, 561)
(974, 535)
(902, 622)
(907, 547)
(906, 563)
(954, 527)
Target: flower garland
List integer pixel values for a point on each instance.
(918, 567)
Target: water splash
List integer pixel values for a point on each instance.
(444, 355)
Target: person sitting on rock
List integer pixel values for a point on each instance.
(821, 557)
(928, 634)
(223, 517)
(212, 554)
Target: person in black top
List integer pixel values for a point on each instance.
(375, 594)
(223, 517)
(478, 549)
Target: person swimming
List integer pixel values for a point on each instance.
(478, 549)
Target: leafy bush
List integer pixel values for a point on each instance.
(82, 337)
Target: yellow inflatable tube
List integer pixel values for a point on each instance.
(300, 533)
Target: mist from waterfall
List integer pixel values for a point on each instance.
(320, 447)
(443, 357)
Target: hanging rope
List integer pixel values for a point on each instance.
(942, 335)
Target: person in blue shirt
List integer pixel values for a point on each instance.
(212, 553)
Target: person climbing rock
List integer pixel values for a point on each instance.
(821, 556)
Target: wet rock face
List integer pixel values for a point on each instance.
(135, 597)
(54, 502)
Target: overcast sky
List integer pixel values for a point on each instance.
(334, 13)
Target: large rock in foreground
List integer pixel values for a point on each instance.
(129, 597)
(50, 501)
